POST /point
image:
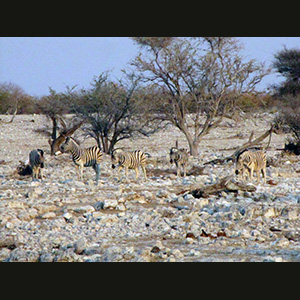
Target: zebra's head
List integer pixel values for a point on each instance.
(114, 159)
(66, 145)
(173, 152)
(239, 167)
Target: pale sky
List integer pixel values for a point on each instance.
(37, 63)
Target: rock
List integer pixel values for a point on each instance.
(99, 205)
(49, 215)
(293, 235)
(110, 204)
(290, 212)
(163, 193)
(177, 253)
(68, 216)
(84, 209)
(79, 246)
(45, 257)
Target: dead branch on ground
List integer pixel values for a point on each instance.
(227, 184)
(250, 144)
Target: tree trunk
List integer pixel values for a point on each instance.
(54, 128)
(194, 147)
(193, 144)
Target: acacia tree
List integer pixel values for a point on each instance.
(194, 78)
(114, 111)
(287, 63)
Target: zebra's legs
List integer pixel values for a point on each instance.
(41, 173)
(184, 170)
(251, 174)
(126, 172)
(144, 170)
(263, 170)
(96, 167)
(136, 173)
(258, 176)
(178, 165)
(35, 173)
(119, 171)
(79, 170)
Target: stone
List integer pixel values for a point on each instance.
(84, 209)
(68, 216)
(110, 203)
(79, 246)
(48, 215)
(98, 205)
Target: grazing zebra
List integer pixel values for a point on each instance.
(180, 158)
(89, 157)
(251, 161)
(36, 162)
(130, 160)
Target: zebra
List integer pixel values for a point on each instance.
(130, 160)
(36, 162)
(251, 161)
(89, 157)
(180, 158)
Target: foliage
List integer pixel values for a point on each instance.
(195, 75)
(13, 98)
(287, 63)
(114, 111)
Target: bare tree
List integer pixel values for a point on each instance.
(114, 111)
(55, 106)
(194, 78)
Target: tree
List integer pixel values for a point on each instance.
(14, 100)
(113, 111)
(55, 106)
(194, 78)
(287, 63)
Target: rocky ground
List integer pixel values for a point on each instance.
(63, 219)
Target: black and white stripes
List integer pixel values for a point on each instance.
(251, 161)
(89, 157)
(180, 158)
(36, 161)
(130, 160)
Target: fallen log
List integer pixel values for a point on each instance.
(249, 145)
(227, 184)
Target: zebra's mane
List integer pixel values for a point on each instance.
(76, 142)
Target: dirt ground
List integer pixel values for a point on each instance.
(63, 219)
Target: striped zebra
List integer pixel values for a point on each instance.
(180, 158)
(130, 160)
(251, 161)
(36, 162)
(89, 157)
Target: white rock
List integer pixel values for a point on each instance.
(67, 216)
(84, 209)
(48, 215)
(177, 253)
(110, 203)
